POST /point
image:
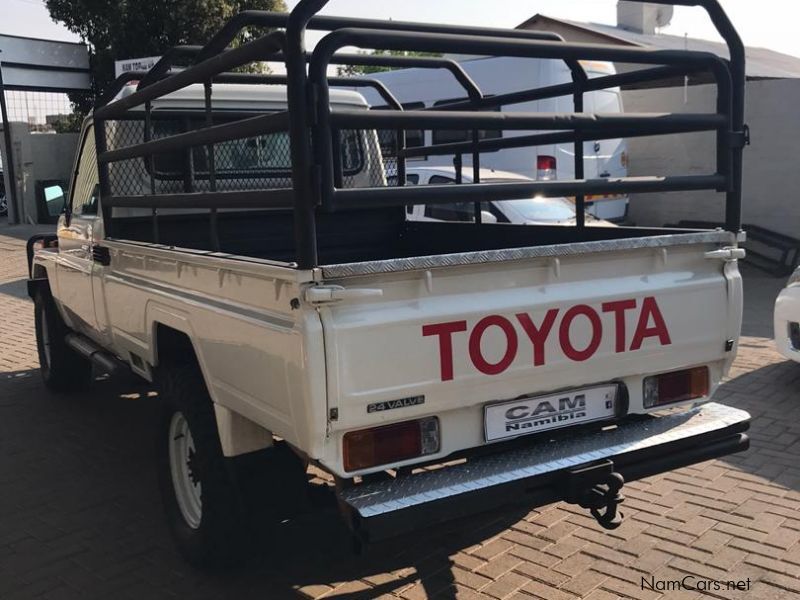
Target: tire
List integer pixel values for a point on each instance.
(202, 500)
(63, 370)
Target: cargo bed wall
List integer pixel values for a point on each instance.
(359, 236)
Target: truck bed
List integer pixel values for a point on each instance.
(360, 237)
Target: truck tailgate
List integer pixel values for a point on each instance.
(448, 342)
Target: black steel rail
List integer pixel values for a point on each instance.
(366, 38)
(314, 126)
(350, 199)
(541, 139)
(244, 128)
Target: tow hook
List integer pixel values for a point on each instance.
(597, 488)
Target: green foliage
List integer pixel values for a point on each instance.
(69, 123)
(122, 29)
(354, 70)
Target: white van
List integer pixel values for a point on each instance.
(429, 87)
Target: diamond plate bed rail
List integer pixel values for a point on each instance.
(421, 263)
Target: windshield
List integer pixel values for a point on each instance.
(541, 209)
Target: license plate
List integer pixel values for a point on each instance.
(525, 416)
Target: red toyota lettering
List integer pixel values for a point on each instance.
(650, 324)
(445, 332)
(619, 308)
(475, 353)
(643, 331)
(538, 335)
(564, 333)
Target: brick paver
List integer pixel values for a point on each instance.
(80, 515)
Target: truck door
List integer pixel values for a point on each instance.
(75, 232)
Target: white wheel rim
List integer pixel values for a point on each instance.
(45, 338)
(181, 453)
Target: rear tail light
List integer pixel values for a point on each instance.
(794, 336)
(388, 444)
(680, 386)
(546, 168)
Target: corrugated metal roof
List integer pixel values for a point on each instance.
(761, 63)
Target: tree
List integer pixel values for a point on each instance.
(68, 123)
(122, 29)
(356, 70)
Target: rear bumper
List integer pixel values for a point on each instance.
(542, 472)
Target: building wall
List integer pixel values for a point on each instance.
(771, 175)
(581, 36)
(39, 157)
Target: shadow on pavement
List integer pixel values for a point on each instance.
(770, 395)
(23, 232)
(760, 292)
(80, 488)
(15, 289)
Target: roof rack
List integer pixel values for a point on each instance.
(314, 125)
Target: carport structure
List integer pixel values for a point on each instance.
(34, 65)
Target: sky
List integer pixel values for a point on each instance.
(766, 23)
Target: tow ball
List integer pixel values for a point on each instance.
(597, 488)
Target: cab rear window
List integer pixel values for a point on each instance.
(256, 157)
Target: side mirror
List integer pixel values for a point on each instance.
(487, 217)
(55, 200)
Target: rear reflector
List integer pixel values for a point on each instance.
(368, 448)
(680, 386)
(546, 168)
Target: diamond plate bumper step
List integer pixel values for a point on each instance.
(544, 471)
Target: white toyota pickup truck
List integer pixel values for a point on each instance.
(232, 239)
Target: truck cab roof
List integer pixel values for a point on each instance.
(242, 96)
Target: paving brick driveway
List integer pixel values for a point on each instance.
(80, 515)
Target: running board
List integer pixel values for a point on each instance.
(543, 472)
(103, 360)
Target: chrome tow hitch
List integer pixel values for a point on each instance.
(597, 488)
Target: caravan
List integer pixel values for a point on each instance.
(423, 88)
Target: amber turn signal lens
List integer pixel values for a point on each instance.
(680, 386)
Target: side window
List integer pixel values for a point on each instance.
(85, 190)
(412, 179)
(463, 212)
(415, 138)
(441, 180)
(445, 136)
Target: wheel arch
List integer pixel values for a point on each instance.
(176, 345)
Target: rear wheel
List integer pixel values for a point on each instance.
(203, 503)
(62, 369)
